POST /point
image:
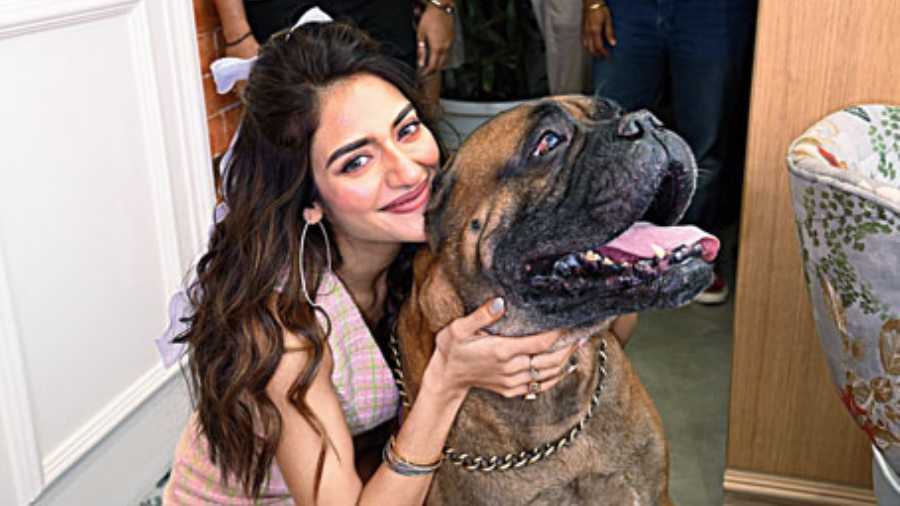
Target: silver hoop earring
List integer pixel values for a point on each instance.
(300, 259)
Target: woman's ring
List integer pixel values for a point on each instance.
(534, 388)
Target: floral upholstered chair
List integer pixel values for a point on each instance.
(845, 182)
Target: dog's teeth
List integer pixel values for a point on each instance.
(560, 267)
(541, 281)
(645, 267)
(607, 261)
(697, 249)
(566, 265)
(658, 250)
(679, 254)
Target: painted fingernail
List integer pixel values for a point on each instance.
(497, 305)
(583, 341)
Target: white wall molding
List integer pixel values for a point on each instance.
(18, 18)
(193, 174)
(155, 147)
(125, 464)
(16, 419)
(185, 120)
(172, 116)
(105, 422)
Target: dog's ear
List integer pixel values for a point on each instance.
(441, 190)
(433, 303)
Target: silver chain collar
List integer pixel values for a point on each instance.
(525, 457)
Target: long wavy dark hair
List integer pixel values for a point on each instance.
(247, 292)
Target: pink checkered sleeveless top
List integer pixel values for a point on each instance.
(364, 385)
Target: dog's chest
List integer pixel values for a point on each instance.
(617, 459)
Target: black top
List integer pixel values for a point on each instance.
(390, 22)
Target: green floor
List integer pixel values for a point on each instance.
(683, 357)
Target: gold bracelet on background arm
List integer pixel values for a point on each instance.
(445, 6)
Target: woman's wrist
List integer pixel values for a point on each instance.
(437, 381)
(421, 438)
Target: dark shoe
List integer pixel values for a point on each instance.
(716, 294)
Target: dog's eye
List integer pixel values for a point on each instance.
(547, 143)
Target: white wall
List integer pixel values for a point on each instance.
(105, 197)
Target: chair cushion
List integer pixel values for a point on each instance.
(859, 146)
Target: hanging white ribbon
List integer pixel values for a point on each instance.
(226, 72)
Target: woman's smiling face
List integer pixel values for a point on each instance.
(372, 161)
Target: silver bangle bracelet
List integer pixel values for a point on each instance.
(404, 467)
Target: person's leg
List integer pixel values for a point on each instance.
(698, 106)
(706, 41)
(566, 58)
(540, 15)
(706, 38)
(391, 23)
(633, 72)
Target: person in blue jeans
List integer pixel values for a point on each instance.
(697, 54)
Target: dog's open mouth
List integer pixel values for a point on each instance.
(639, 255)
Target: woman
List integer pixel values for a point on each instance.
(283, 367)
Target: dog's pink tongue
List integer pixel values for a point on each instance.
(640, 238)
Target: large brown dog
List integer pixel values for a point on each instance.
(540, 206)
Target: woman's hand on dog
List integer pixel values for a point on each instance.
(467, 356)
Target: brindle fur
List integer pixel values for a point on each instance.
(488, 195)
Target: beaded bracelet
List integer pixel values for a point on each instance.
(403, 467)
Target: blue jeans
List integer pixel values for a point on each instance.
(696, 53)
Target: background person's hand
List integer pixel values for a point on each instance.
(597, 29)
(435, 36)
(472, 358)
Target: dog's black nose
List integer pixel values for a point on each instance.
(637, 123)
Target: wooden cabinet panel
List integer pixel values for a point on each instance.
(812, 57)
